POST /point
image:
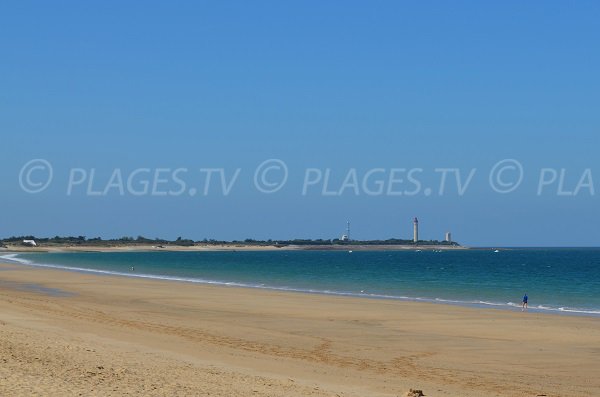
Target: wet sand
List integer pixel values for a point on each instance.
(65, 333)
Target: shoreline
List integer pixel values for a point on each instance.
(247, 341)
(474, 304)
(227, 247)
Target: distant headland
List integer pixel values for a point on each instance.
(82, 243)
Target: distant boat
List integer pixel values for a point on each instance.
(496, 251)
(349, 252)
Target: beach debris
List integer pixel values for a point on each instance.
(414, 393)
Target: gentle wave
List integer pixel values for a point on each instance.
(478, 303)
(15, 258)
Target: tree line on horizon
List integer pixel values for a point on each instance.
(141, 240)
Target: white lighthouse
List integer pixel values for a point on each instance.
(416, 230)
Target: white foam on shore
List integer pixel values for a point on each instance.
(14, 258)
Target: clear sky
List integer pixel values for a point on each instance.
(320, 85)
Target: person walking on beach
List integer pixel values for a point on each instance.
(525, 299)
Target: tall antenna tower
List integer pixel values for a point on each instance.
(348, 230)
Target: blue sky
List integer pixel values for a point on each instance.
(338, 85)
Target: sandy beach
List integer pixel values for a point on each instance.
(221, 247)
(67, 334)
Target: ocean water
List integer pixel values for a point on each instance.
(556, 280)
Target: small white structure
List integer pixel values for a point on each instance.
(31, 243)
(448, 237)
(344, 237)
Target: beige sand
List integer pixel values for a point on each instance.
(222, 247)
(124, 336)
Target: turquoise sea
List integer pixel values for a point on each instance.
(556, 280)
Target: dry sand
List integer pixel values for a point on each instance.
(65, 333)
(222, 247)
